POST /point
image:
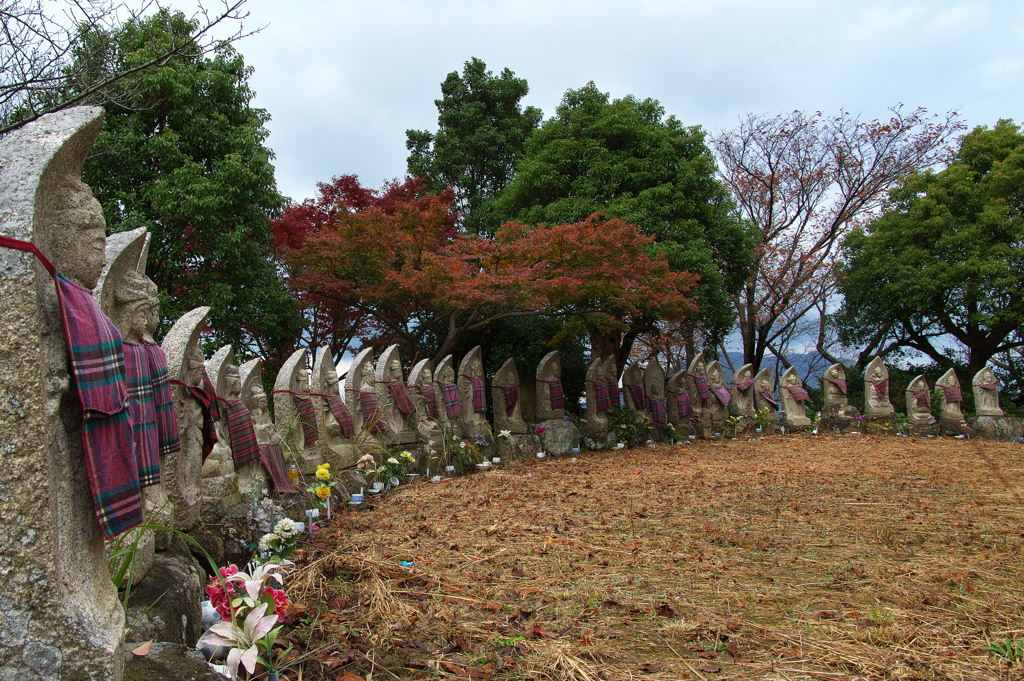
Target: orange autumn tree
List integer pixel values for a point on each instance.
(388, 266)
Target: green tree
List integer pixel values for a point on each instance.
(186, 158)
(624, 158)
(946, 259)
(482, 130)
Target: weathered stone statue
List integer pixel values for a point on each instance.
(473, 394)
(361, 398)
(611, 376)
(717, 407)
(743, 392)
(335, 425)
(426, 395)
(550, 395)
(697, 387)
(950, 397)
(59, 615)
(271, 452)
(986, 393)
(598, 401)
(680, 411)
(450, 407)
(294, 415)
(219, 484)
(833, 385)
(876, 389)
(919, 402)
(508, 413)
(633, 389)
(396, 405)
(794, 399)
(654, 388)
(195, 404)
(764, 394)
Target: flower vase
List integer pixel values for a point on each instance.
(273, 676)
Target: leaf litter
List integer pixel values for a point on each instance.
(785, 558)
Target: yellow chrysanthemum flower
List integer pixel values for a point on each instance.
(323, 474)
(323, 491)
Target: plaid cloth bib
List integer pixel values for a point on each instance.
(556, 393)
(658, 414)
(142, 407)
(450, 395)
(702, 386)
(601, 400)
(430, 400)
(244, 447)
(881, 388)
(743, 385)
(97, 365)
(163, 398)
(307, 417)
(989, 386)
(798, 393)
(636, 392)
(952, 393)
(683, 404)
(272, 459)
(479, 394)
(207, 400)
(837, 382)
(369, 407)
(922, 398)
(403, 401)
(769, 398)
(723, 395)
(511, 394)
(343, 415)
(613, 392)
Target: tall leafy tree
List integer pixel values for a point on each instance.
(186, 159)
(945, 260)
(482, 130)
(626, 159)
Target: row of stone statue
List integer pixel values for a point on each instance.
(698, 394)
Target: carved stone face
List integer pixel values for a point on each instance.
(699, 368)
(764, 384)
(834, 372)
(715, 374)
(655, 389)
(877, 374)
(366, 377)
(234, 382)
(259, 399)
(447, 374)
(987, 376)
(79, 232)
(331, 378)
(426, 376)
(476, 368)
(194, 365)
(301, 380)
(395, 369)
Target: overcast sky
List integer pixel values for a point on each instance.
(344, 80)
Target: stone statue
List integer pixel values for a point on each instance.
(450, 406)
(876, 389)
(335, 426)
(950, 397)
(598, 401)
(919, 402)
(218, 484)
(195, 404)
(426, 395)
(986, 393)
(697, 386)
(833, 385)
(271, 451)
(794, 399)
(396, 405)
(654, 389)
(550, 395)
(473, 394)
(633, 389)
(361, 398)
(508, 413)
(59, 614)
(743, 392)
(717, 407)
(294, 415)
(764, 394)
(680, 411)
(611, 376)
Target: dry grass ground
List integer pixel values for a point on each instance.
(787, 558)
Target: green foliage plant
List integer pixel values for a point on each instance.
(1009, 650)
(629, 425)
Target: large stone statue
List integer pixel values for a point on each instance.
(743, 392)
(336, 429)
(950, 397)
(550, 395)
(473, 394)
(59, 615)
(611, 377)
(876, 389)
(219, 484)
(633, 389)
(426, 395)
(717, 407)
(680, 411)
(508, 412)
(450, 407)
(919, 402)
(657, 405)
(986, 393)
(598, 401)
(396, 405)
(271, 451)
(697, 387)
(195, 404)
(361, 398)
(294, 415)
(794, 399)
(764, 394)
(833, 385)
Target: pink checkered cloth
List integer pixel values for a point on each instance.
(244, 447)
(636, 393)
(922, 398)
(342, 414)
(837, 382)
(479, 394)
(450, 395)
(658, 413)
(400, 394)
(613, 392)
(369, 408)
(602, 401)
(682, 403)
(743, 385)
(556, 393)
(952, 393)
(769, 398)
(702, 386)
(511, 394)
(881, 388)
(143, 410)
(723, 395)
(163, 398)
(272, 459)
(798, 393)
(430, 400)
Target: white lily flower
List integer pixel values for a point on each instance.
(242, 641)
